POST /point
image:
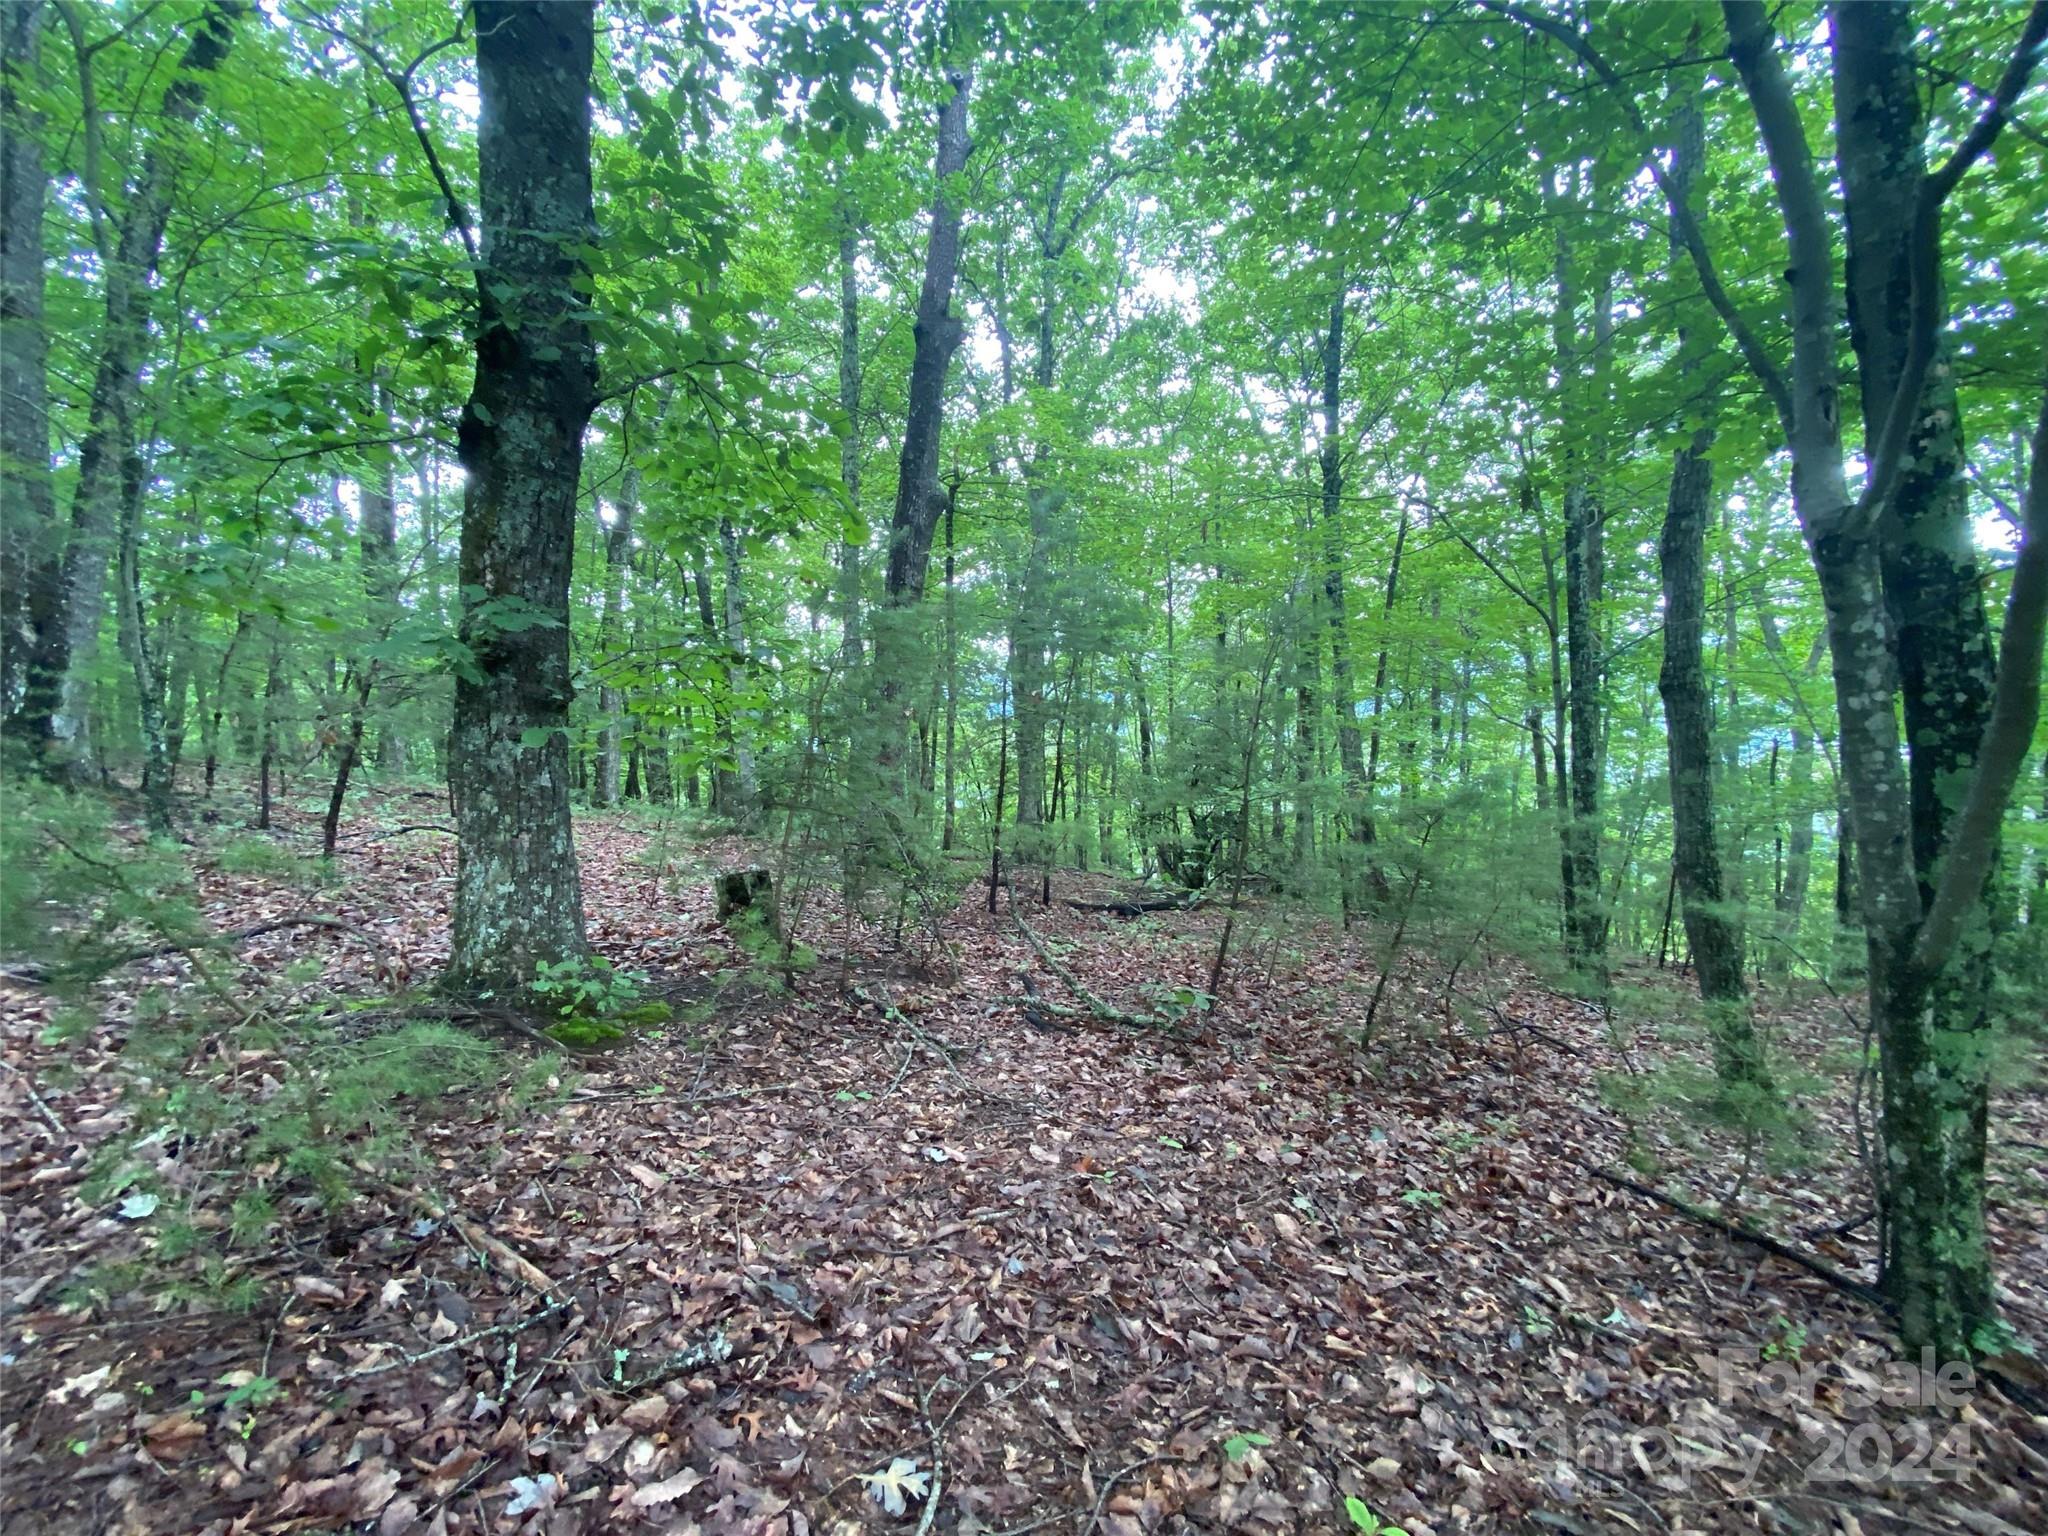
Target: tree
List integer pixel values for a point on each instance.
(518, 896)
(67, 591)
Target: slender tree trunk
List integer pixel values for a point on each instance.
(952, 676)
(518, 895)
(611, 701)
(1586, 925)
(67, 595)
(1350, 744)
(850, 436)
(745, 787)
(725, 792)
(1713, 929)
(28, 507)
(936, 336)
(1710, 926)
(275, 692)
(133, 623)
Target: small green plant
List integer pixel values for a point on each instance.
(1243, 1443)
(1427, 1199)
(1790, 1342)
(585, 986)
(1363, 1519)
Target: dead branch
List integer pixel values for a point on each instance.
(402, 1362)
(1756, 1239)
(213, 941)
(507, 1257)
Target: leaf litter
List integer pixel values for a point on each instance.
(879, 1255)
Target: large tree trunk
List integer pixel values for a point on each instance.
(28, 508)
(1937, 1265)
(518, 895)
(1946, 665)
(67, 593)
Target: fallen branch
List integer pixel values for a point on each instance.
(1096, 1005)
(1839, 1228)
(1138, 906)
(508, 1257)
(1736, 1230)
(83, 969)
(411, 826)
(715, 1350)
(378, 1368)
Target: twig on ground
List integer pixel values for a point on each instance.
(1109, 1485)
(36, 1100)
(401, 1362)
(507, 1257)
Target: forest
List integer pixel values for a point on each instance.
(1089, 766)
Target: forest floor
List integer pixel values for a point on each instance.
(882, 1255)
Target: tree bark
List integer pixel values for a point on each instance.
(611, 700)
(746, 790)
(1350, 741)
(936, 336)
(67, 592)
(1586, 927)
(849, 441)
(518, 896)
(1937, 1266)
(1713, 930)
(28, 507)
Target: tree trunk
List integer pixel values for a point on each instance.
(28, 507)
(1713, 930)
(1350, 743)
(746, 791)
(611, 701)
(1947, 670)
(67, 594)
(518, 896)
(135, 645)
(1937, 1266)
(724, 785)
(936, 336)
(952, 678)
(849, 441)
(1586, 926)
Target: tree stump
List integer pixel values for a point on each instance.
(750, 892)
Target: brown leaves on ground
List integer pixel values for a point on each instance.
(822, 1258)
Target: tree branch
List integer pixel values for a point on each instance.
(1689, 231)
(1887, 455)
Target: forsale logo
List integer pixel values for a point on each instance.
(1821, 1423)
